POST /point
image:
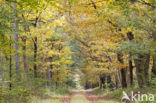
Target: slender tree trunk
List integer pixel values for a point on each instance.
(17, 56)
(10, 68)
(44, 74)
(154, 65)
(2, 70)
(10, 74)
(131, 72)
(25, 61)
(116, 81)
(122, 70)
(119, 78)
(146, 70)
(154, 57)
(49, 77)
(51, 73)
(110, 82)
(35, 57)
(130, 37)
(0, 60)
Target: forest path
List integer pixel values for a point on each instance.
(78, 96)
(85, 96)
(88, 96)
(79, 99)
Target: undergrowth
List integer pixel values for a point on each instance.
(118, 94)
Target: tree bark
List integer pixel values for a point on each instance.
(142, 66)
(123, 71)
(131, 72)
(10, 67)
(10, 74)
(17, 56)
(49, 74)
(116, 81)
(2, 70)
(35, 57)
(25, 61)
(154, 65)
(103, 81)
(146, 70)
(110, 82)
(130, 37)
(154, 57)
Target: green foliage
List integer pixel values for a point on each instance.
(51, 40)
(153, 81)
(136, 47)
(117, 94)
(38, 100)
(61, 90)
(15, 96)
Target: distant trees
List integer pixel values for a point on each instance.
(33, 48)
(116, 40)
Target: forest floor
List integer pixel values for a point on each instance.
(80, 96)
(88, 96)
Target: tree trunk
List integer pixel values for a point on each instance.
(0, 60)
(122, 70)
(10, 74)
(116, 81)
(10, 68)
(2, 70)
(146, 70)
(142, 66)
(154, 65)
(17, 56)
(130, 37)
(25, 61)
(103, 81)
(154, 57)
(110, 82)
(35, 57)
(49, 74)
(123, 75)
(131, 72)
